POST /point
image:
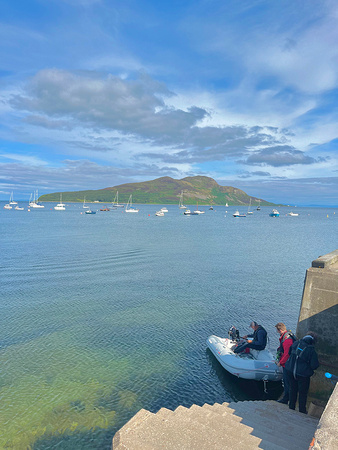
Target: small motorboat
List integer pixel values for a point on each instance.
(89, 211)
(159, 213)
(274, 213)
(187, 212)
(293, 214)
(164, 209)
(238, 214)
(257, 365)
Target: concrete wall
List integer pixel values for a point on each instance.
(326, 437)
(319, 313)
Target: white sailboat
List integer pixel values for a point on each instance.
(259, 205)
(84, 204)
(198, 211)
(116, 203)
(180, 204)
(7, 206)
(60, 206)
(249, 208)
(35, 203)
(226, 205)
(11, 201)
(129, 207)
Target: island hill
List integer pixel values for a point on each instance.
(165, 190)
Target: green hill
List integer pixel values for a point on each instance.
(165, 190)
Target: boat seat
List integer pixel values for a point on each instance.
(260, 354)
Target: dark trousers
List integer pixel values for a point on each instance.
(241, 347)
(299, 386)
(245, 345)
(286, 385)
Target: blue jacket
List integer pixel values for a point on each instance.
(260, 337)
(303, 360)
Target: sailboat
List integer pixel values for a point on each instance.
(84, 204)
(35, 203)
(226, 205)
(60, 206)
(180, 204)
(11, 201)
(259, 205)
(249, 207)
(8, 205)
(198, 211)
(129, 208)
(116, 203)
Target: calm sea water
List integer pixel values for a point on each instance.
(102, 315)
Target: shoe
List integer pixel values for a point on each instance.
(282, 400)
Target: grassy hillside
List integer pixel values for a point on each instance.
(165, 190)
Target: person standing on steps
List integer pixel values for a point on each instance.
(285, 341)
(300, 367)
(258, 341)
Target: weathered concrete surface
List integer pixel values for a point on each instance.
(319, 313)
(243, 425)
(326, 437)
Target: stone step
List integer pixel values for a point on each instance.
(269, 419)
(218, 416)
(276, 410)
(242, 426)
(130, 430)
(246, 411)
(226, 421)
(263, 419)
(182, 434)
(205, 417)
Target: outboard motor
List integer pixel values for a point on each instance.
(233, 334)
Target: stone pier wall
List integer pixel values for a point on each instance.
(319, 313)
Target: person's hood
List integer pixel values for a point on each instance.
(308, 340)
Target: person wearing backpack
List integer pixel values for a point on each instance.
(300, 367)
(287, 338)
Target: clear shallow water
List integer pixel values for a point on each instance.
(105, 314)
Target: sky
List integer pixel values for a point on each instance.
(97, 93)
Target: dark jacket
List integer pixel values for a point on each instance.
(303, 358)
(259, 338)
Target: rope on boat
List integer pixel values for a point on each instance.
(266, 366)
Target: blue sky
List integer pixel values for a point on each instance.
(96, 93)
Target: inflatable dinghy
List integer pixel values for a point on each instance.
(256, 365)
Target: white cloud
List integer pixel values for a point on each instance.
(24, 159)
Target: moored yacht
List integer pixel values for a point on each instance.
(60, 206)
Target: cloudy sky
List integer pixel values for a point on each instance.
(95, 93)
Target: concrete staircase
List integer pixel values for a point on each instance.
(237, 426)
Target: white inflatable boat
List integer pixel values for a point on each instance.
(256, 365)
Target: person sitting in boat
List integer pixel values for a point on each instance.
(258, 341)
